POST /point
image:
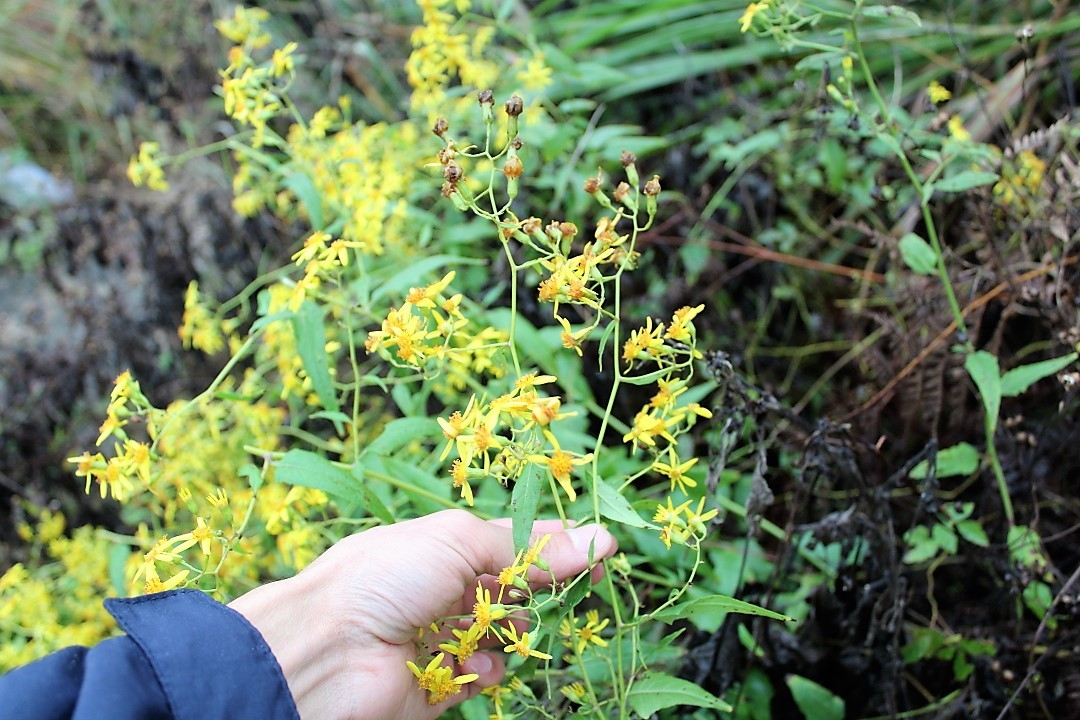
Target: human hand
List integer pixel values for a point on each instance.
(343, 629)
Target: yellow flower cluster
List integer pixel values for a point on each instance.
(499, 438)
(146, 168)
(1021, 179)
(429, 331)
(439, 680)
(681, 523)
(54, 600)
(200, 328)
(442, 53)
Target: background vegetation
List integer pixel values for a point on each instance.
(876, 209)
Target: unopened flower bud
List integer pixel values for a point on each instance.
(441, 126)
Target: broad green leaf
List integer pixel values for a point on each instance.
(399, 433)
(918, 255)
(524, 501)
(708, 612)
(963, 180)
(308, 195)
(892, 11)
(922, 547)
(945, 537)
(984, 370)
(959, 459)
(306, 469)
(311, 345)
(815, 701)
(410, 276)
(253, 475)
(656, 691)
(374, 505)
(118, 557)
(1019, 379)
(973, 532)
(615, 507)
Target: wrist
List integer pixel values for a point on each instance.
(303, 637)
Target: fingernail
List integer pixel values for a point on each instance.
(590, 536)
(480, 663)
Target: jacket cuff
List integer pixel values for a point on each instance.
(211, 662)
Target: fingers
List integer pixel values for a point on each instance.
(488, 547)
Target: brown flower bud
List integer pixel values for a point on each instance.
(453, 172)
(441, 126)
(622, 191)
(515, 106)
(627, 158)
(446, 155)
(486, 97)
(448, 189)
(568, 229)
(592, 184)
(652, 188)
(513, 168)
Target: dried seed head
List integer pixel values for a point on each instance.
(515, 106)
(441, 126)
(513, 168)
(453, 172)
(652, 188)
(486, 97)
(448, 189)
(531, 226)
(446, 155)
(627, 158)
(622, 191)
(592, 184)
(568, 229)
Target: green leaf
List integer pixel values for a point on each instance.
(374, 505)
(815, 701)
(656, 691)
(410, 276)
(984, 370)
(959, 459)
(922, 547)
(615, 507)
(306, 192)
(892, 11)
(973, 532)
(963, 180)
(399, 433)
(918, 255)
(945, 538)
(118, 557)
(524, 501)
(1019, 379)
(253, 475)
(311, 345)
(707, 612)
(306, 469)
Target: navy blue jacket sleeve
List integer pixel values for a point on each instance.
(185, 657)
